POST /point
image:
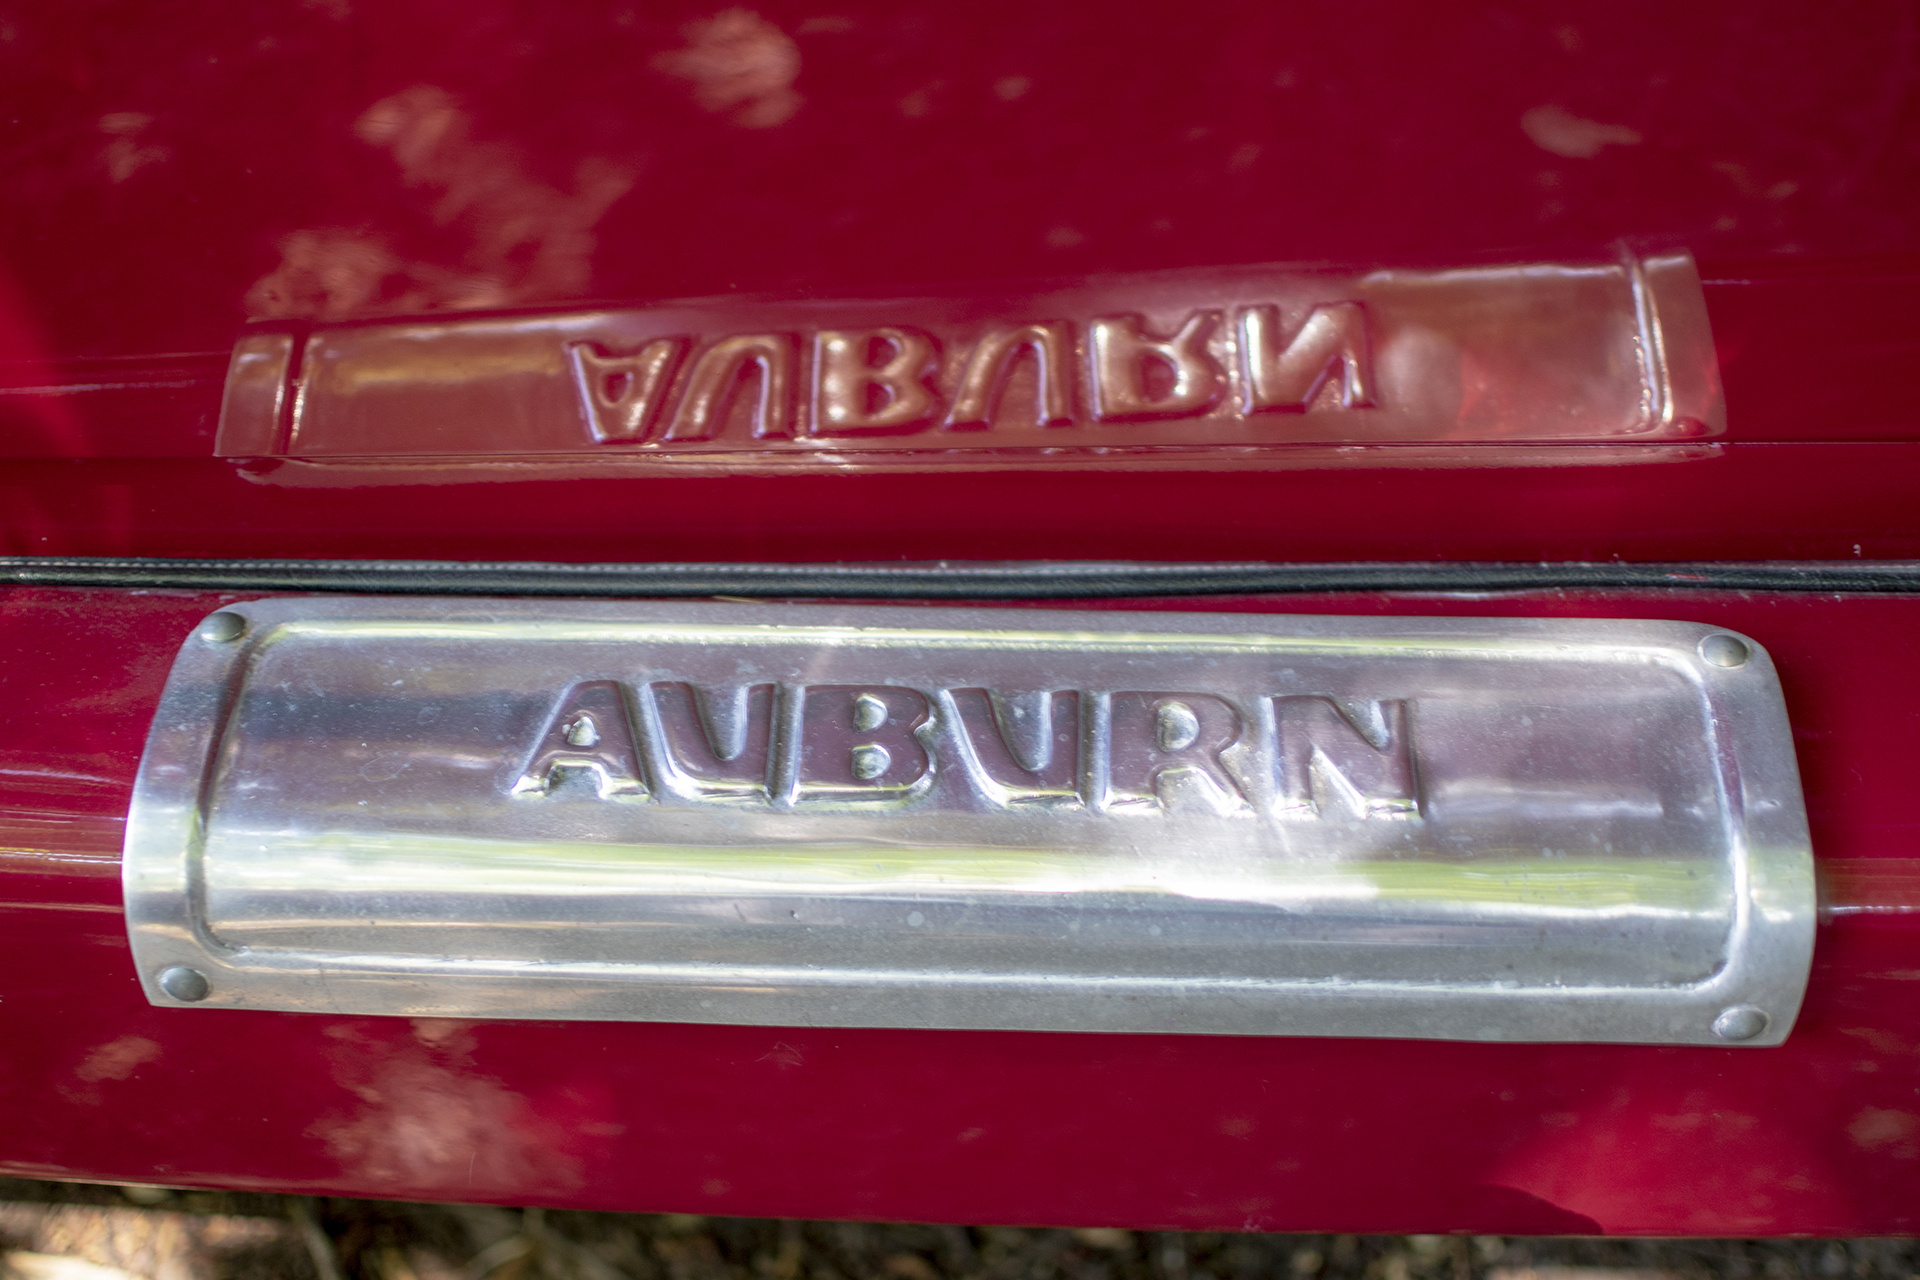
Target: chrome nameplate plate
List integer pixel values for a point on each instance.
(927, 817)
(1236, 367)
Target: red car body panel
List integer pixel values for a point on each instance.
(163, 169)
(1198, 1132)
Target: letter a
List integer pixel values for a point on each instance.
(589, 732)
(619, 395)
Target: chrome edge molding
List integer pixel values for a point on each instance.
(1471, 829)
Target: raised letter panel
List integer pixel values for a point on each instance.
(1453, 828)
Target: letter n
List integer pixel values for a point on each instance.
(1345, 759)
(1288, 377)
(590, 733)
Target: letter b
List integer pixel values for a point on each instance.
(857, 744)
(853, 393)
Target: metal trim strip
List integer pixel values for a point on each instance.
(1064, 580)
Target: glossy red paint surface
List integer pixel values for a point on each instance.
(157, 159)
(1821, 1135)
(170, 173)
(171, 176)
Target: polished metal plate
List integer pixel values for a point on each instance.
(1511, 829)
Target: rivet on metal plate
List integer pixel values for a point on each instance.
(183, 983)
(223, 627)
(1723, 650)
(1742, 1022)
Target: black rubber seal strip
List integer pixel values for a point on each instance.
(962, 580)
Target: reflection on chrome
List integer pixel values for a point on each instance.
(1247, 367)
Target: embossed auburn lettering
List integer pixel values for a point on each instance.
(621, 395)
(891, 380)
(766, 359)
(1288, 375)
(1312, 757)
(858, 388)
(1123, 359)
(990, 367)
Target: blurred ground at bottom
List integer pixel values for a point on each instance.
(74, 1231)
